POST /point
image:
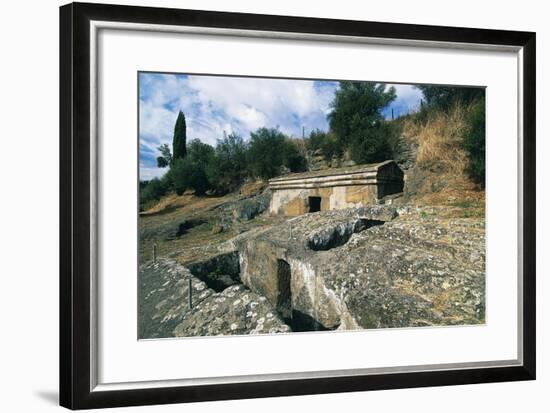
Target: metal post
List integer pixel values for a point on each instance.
(154, 253)
(190, 293)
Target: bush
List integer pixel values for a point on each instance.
(187, 174)
(190, 172)
(356, 118)
(444, 97)
(397, 146)
(474, 142)
(266, 153)
(327, 143)
(293, 159)
(151, 191)
(374, 146)
(227, 171)
(316, 139)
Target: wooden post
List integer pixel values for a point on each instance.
(190, 293)
(154, 253)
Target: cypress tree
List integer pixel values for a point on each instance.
(179, 143)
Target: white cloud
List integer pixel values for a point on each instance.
(214, 104)
(147, 173)
(408, 97)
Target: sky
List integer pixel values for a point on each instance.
(214, 104)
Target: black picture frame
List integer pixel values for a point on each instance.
(75, 219)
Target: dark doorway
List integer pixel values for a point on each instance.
(314, 203)
(284, 296)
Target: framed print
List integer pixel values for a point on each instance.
(256, 206)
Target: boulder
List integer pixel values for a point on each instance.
(249, 208)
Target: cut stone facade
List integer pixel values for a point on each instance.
(298, 194)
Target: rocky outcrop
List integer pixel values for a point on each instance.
(236, 310)
(164, 309)
(218, 272)
(359, 268)
(374, 270)
(249, 208)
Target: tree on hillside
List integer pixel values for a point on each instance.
(474, 143)
(357, 121)
(150, 191)
(325, 142)
(190, 172)
(200, 152)
(166, 157)
(444, 97)
(228, 170)
(265, 156)
(179, 142)
(269, 150)
(293, 158)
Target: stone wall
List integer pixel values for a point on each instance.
(369, 268)
(298, 194)
(294, 202)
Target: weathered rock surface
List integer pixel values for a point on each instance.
(164, 307)
(365, 268)
(360, 268)
(251, 207)
(236, 310)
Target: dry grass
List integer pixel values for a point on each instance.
(440, 140)
(441, 178)
(252, 188)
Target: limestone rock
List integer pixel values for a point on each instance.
(164, 309)
(236, 310)
(346, 272)
(251, 207)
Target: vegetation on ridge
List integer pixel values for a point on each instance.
(449, 130)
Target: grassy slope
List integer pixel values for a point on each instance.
(157, 223)
(439, 177)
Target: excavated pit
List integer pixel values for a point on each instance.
(218, 272)
(298, 321)
(186, 225)
(339, 234)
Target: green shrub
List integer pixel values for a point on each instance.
(375, 145)
(397, 146)
(331, 147)
(151, 191)
(190, 172)
(356, 119)
(443, 97)
(227, 170)
(293, 159)
(474, 142)
(327, 143)
(316, 139)
(187, 174)
(266, 153)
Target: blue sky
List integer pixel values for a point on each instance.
(214, 104)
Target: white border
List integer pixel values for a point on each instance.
(95, 27)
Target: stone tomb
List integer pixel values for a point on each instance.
(301, 193)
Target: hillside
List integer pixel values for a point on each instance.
(418, 260)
